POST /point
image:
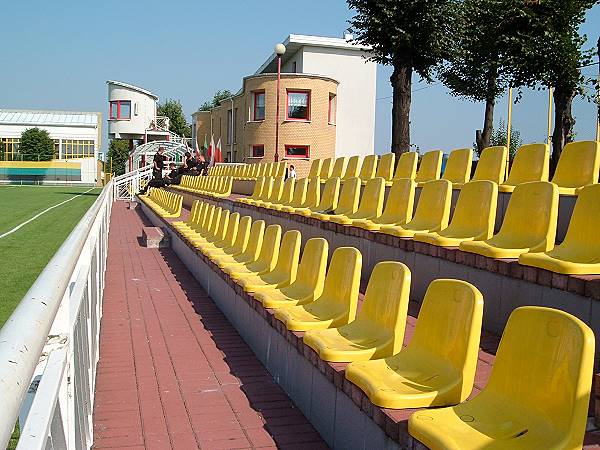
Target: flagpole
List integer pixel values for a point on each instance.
(279, 51)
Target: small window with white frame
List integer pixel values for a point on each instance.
(298, 105)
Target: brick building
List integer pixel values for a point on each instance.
(327, 106)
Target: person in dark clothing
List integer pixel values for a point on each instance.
(158, 164)
(190, 164)
(173, 177)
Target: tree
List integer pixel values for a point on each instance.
(174, 111)
(551, 55)
(410, 35)
(36, 145)
(217, 99)
(479, 48)
(499, 136)
(118, 151)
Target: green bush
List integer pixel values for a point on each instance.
(36, 145)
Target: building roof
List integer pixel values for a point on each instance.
(133, 87)
(294, 42)
(41, 117)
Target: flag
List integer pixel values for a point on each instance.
(218, 156)
(205, 146)
(210, 154)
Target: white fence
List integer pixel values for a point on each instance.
(49, 346)
(126, 186)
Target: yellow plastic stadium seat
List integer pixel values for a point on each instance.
(432, 213)
(285, 270)
(165, 204)
(537, 396)
(228, 235)
(491, 165)
(385, 166)
(315, 168)
(529, 223)
(531, 163)
(251, 251)
(473, 219)
(458, 166)
(406, 168)
(298, 197)
(378, 329)
(368, 168)
(371, 203)
(217, 232)
(276, 193)
(309, 281)
(267, 258)
(180, 224)
(339, 168)
(258, 187)
(285, 196)
(265, 192)
(398, 207)
(577, 166)
(313, 197)
(437, 368)
(204, 213)
(336, 306)
(329, 199)
(430, 167)
(280, 169)
(579, 253)
(352, 168)
(326, 168)
(347, 203)
(240, 241)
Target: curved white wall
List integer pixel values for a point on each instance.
(143, 111)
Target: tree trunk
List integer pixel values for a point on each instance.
(563, 122)
(482, 138)
(401, 80)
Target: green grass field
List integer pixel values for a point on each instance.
(24, 253)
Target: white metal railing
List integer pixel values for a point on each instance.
(49, 345)
(126, 186)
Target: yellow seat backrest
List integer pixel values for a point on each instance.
(255, 240)
(430, 167)
(312, 267)
(368, 168)
(371, 201)
(352, 168)
(287, 192)
(280, 169)
(326, 168)
(492, 164)
(475, 211)
(448, 330)
(531, 216)
(349, 196)
(407, 166)
(400, 202)
(433, 208)
(266, 189)
(313, 193)
(315, 168)
(578, 165)
(330, 195)
(232, 229)
(269, 250)
(545, 363)
(221, 229)
(299, 196)
(276, 190)
(385, 166)
(385, 304)
(582, 235)
(242, 235)
(342, 282)
(339, 167)
(458, 166)
(258, 187)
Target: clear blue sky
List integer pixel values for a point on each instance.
(58, 55)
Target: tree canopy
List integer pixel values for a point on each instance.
(174, 111)
(118, 151)
(36, 145)
(217, 99)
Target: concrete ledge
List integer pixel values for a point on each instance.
(154, 237)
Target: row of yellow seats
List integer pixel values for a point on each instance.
(528, 230)
(578, 166)
(164, 203)
(250, 171)
(551, 374)
(213, 186)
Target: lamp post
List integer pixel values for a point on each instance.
(598, 118)
(279, 51)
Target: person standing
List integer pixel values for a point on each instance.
(158, 164)
(292, 172)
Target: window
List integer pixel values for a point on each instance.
(298, 105)
(297, 151)
(9, 149)
(56, 148)
(294, 67)
(229, 127)
(258, 105)
(332, 109)
(258, 151)
(120, 110)
(73, 149)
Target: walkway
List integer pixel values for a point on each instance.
(173, 373)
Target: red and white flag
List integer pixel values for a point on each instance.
(210, 153)
(218, 156)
